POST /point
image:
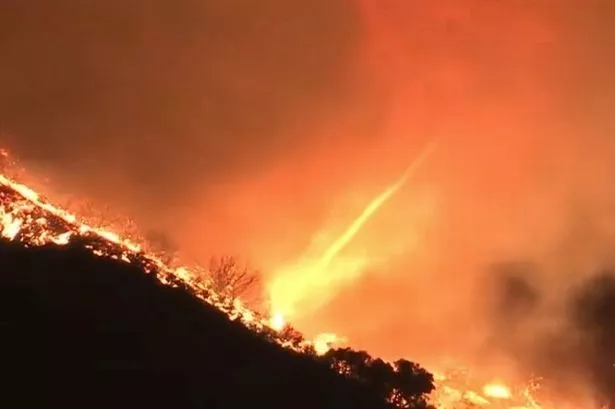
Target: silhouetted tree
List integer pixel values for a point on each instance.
(403, 384)
(230, 279)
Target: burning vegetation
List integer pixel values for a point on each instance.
(32, 221)
(29, 219)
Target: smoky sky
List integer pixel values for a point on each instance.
(574, 345)
(160, 94)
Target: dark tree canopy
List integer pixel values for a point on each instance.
(403, 384)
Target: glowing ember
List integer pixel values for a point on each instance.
(324, 342)
(497, 390)
(277, 321)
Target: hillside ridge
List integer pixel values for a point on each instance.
(118, 322)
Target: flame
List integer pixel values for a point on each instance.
(325, 341)
(27, 217)
(307, 277)
(277, 321)
(373, 206)
(497, 391)
(458, 391)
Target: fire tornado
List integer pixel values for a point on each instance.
(308, 277)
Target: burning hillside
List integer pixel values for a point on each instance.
(118, 322)
(31, 220)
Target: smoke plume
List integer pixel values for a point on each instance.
(569, 339)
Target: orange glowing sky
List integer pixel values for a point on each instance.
(277, 147)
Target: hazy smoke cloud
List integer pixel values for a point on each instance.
(570, 342)
(260, 127)
(160, 97)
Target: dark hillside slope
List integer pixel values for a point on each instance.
(84, 331)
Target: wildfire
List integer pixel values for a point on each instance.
(497, 391)
(309, 276)
(277, 321)
(27, 217)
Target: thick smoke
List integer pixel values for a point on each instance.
(257, 128)
(159, 102)
(570, 340)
